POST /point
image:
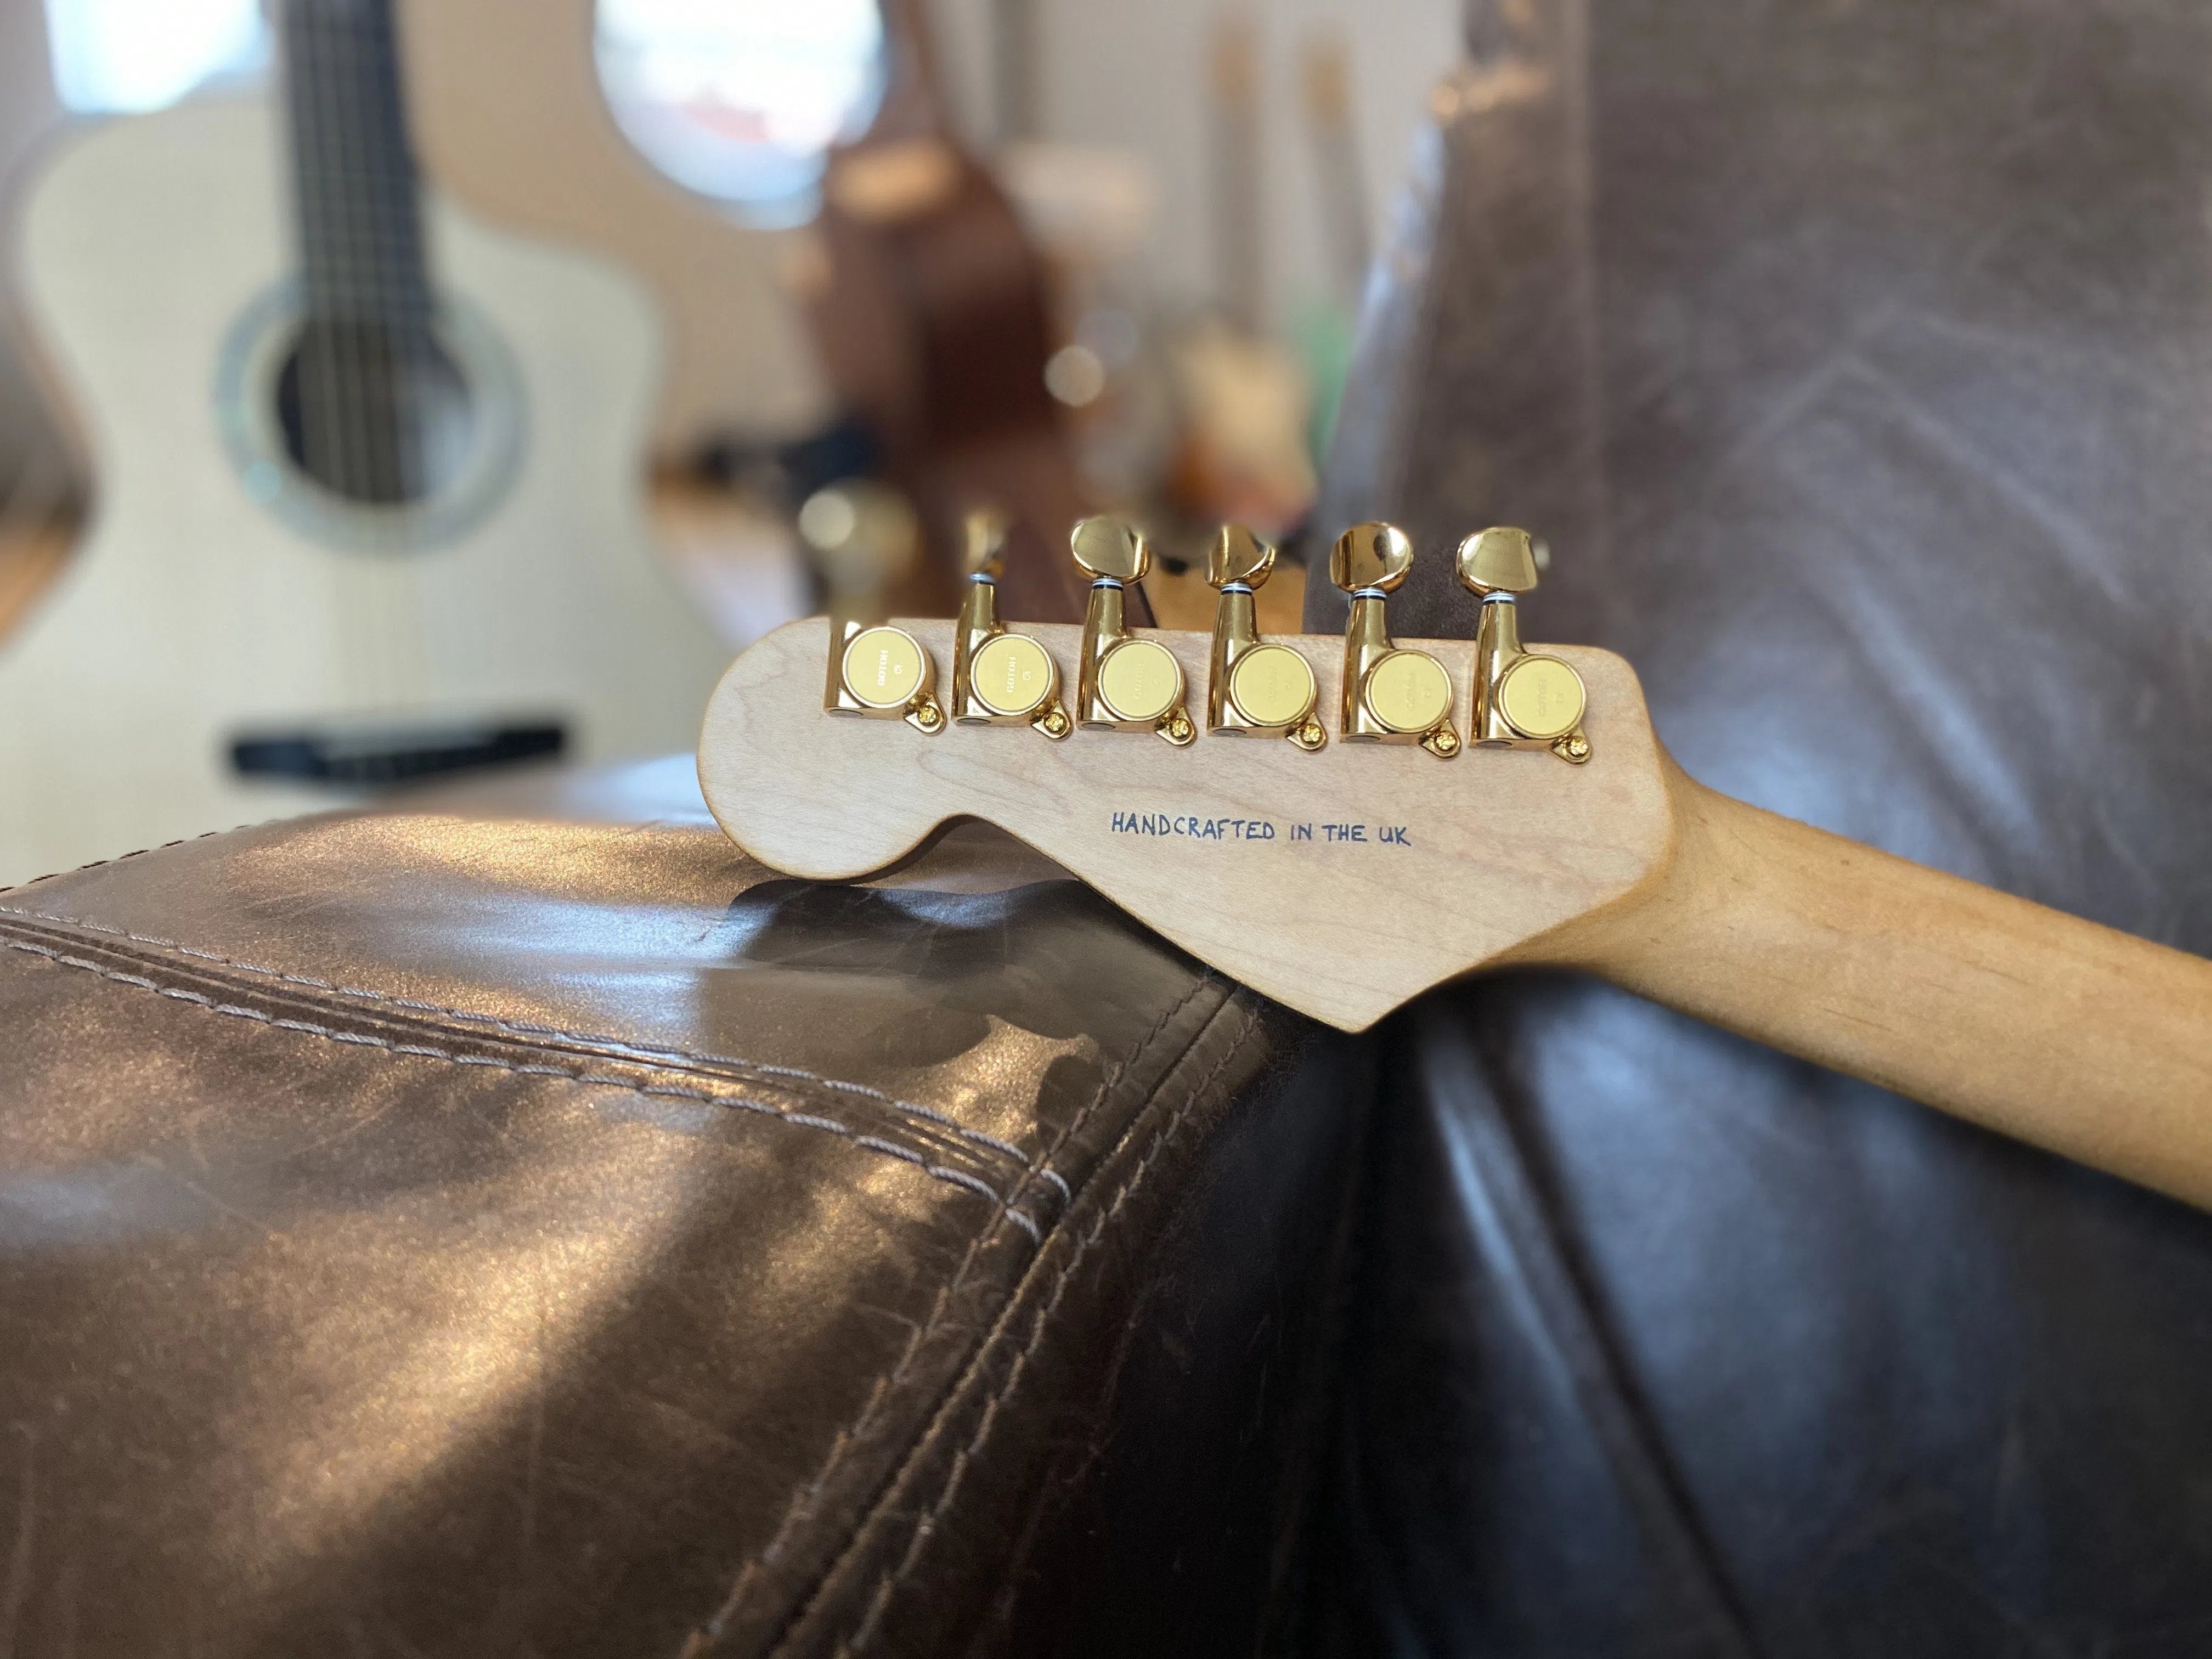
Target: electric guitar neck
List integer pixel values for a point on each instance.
(1343, 824)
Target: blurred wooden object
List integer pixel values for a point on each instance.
(932, 312)
(509, 117)
(32, 555)
(1182, 599)
(1241, 457)
(1340, 193)
(735, 557)
(42, 510)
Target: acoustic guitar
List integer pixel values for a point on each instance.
(367, 476)
(1342, 824)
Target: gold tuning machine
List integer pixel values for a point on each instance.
(998, 678)
(861, 537)
(1126, 684)
(1522, 698)
(1254, 687)
(882, 672)
(1390, 696)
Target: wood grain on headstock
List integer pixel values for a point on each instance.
(1341, 882)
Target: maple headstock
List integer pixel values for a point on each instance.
(1342, 882)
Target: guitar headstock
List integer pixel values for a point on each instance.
(1342, 879)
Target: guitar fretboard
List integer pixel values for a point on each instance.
(371, 404)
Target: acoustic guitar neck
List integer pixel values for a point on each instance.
(371, 398)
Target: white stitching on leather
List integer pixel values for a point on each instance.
(802, 1500)
(873, 1617)
(887, 1383)
(526, 1028)
(874, 1144)
(56, 875)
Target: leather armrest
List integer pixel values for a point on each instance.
(515, 1221)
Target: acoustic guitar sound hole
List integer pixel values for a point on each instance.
(374, 413)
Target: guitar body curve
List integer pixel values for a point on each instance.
(509, 117)
(199, 609)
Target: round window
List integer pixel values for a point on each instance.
(741, 100)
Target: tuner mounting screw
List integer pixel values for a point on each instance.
(1054, 723)
(1574, 748)
(1178, 729)
(1443, 743)
(1309, 735)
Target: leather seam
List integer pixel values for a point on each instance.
(802, 1499)
(140, 853)
(873, 1143)
(529, 1031)
(963, 1459)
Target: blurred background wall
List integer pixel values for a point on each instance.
(1133, 76)
(768, 298)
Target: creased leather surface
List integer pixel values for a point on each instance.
(513, 1222)
(1857, 360)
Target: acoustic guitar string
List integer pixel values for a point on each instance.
(418, 388)
(369, 350)
(422, 378)
(326, 446)
(322, 433)
(353, 162)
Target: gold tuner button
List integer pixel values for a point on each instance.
(1498, 561)
(1523, 699)
(1254, 688)
(1370, 556)
(1107, 549)
(1238, 555)
(883, 673)
(1391, 694)
(1125, 683)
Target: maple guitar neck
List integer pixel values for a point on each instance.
(2072, 1036)
(1346, 882)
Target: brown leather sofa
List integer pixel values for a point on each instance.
(1856, 358)
(513, 1222)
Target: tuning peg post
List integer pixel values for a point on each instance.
(1254, 688)
(1390, 696)
(998, 677)
(1523, 699)
(1126, 684)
